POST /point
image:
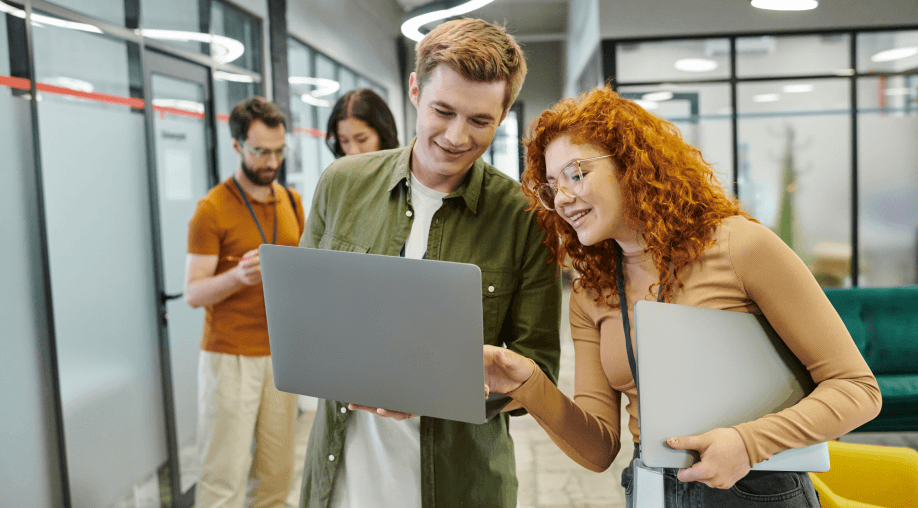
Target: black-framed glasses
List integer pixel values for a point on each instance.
(260, 153)
(570, 182)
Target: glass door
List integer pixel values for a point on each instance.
(181, 127)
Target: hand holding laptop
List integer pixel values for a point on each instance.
(724, 459)
(378, 411)
(505, 370)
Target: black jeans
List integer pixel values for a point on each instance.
(772, 489)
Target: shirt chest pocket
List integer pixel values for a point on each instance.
(340, 243)
(497, 289)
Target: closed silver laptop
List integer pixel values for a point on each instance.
(381, 331)
(700, 369)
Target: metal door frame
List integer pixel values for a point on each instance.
(154, 62)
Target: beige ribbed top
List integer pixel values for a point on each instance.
(748, 269)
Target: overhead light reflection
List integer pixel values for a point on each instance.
(40, 20)
(799, 88)
(322, 86)
(222, 49)
(898, 91)
(646, 104)
(180, 104)
(230, 76)
(695, 65)
(785, 5)
(766, 97)
(657, 96)
(894, 54)
(72, 84)
(411, 27)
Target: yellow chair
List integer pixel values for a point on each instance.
(868, 476)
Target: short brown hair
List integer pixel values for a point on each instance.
(477, 50)
(249, 110)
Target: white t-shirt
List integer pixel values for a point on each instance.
(382, 457)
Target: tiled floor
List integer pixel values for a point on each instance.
(548, 478)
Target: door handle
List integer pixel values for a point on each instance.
(165, 297)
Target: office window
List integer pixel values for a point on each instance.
(887, 51)
(888, 180)
(703, 114)
(678, 60)
(793, 55)
(797, 177)
(111, 11)
(316, 82)
(230, 22)
(97, 209)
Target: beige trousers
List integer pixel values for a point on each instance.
(237, 401)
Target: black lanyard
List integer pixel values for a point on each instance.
(623, 303)
(247, 204)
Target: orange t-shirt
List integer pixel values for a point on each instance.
(222, 226)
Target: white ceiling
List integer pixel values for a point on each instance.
(524, 19)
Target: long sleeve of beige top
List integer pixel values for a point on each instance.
(748, 269)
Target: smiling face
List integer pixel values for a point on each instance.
(355, 137)
(595, 213)
(457, 120)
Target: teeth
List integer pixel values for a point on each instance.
(578, 216)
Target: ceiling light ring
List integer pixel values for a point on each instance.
(435, 11)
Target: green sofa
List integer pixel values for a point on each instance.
(884, 325)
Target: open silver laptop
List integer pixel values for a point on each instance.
(381, 331)
(700, 369)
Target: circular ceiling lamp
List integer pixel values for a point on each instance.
(785, 5)
(435, 11)
(696, 65)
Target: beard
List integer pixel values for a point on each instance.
(263, 177)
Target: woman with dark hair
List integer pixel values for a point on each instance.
(360, 122)
(634, 206)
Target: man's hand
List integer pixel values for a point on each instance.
(248, 271)
(505, 370)
(724, 460)
(378, 411)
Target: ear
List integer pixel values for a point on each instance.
(236, 147)
(414, 89)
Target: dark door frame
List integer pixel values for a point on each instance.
(154, 62)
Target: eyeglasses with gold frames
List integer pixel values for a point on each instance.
(570, 182)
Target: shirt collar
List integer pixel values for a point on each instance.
(469, 190)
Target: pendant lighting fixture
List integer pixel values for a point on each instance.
(435, 11)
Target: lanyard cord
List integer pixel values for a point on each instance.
(623, 304)
(252, 212)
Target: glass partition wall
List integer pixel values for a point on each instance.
(126, 105)
(812, 131)
(316, 82)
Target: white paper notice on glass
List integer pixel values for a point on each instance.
(177, 164)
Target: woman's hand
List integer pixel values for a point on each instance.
(378, 411)
(724, 460)
(505, 370)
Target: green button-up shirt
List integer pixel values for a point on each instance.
(363, 204)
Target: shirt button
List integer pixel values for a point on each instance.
(344, 410)
(331, 458)
(408, 213)
(490, 289)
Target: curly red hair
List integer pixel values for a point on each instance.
(670, 194)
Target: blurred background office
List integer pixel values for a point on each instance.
(113, 122)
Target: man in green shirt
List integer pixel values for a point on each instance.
(437, 199)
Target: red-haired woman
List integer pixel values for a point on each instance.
(620, 193)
